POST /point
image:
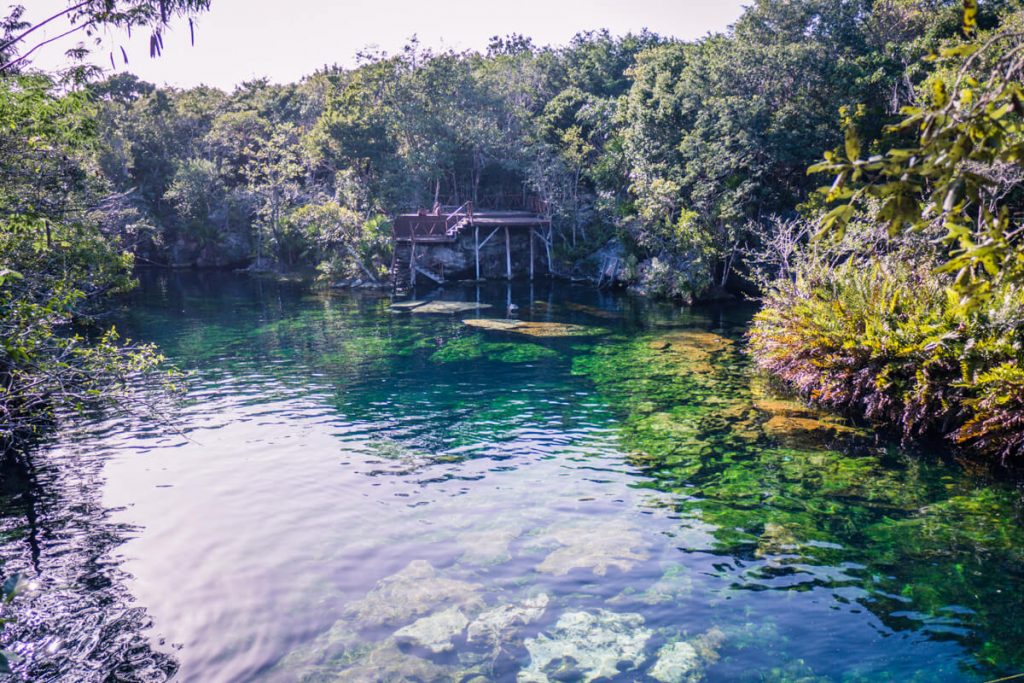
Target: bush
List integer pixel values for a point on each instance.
(889, 340)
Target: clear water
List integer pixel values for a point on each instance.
(540, 508)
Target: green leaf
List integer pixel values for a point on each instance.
(970, 16)
(852, 143)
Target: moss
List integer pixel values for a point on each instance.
(473, 347)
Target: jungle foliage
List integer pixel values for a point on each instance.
(64, 231)
(910, 308)
(683, 162)
(672, 157)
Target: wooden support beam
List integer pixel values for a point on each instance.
(412, 263)
(548, 245)
(508, 255)
(476, 248)
(488, 238)
(531, 254)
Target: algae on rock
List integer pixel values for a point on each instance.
(474, 347)
(449, 307)
(534, 329)
(685, 661)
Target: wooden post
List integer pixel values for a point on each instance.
(412, 259)
(531, 254)
(547, 245)
(508, 254)
(476, 248)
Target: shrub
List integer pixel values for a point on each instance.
(889, 340)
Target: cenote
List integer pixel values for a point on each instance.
(357, 492)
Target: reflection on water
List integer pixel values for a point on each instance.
(366, 493)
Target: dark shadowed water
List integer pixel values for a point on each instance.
(358, 493)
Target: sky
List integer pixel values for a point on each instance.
(238, 40)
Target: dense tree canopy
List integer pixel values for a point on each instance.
(685, 160)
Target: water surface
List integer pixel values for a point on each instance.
(354, 492)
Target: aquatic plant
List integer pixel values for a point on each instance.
(474, 347)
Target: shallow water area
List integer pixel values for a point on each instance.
(602, 491)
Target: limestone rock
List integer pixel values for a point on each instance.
(385, 663)
(777, 539)
(593, 545)
(593, 310)
(321, 658)
(434, 632)
(684, 662)
(413, 592)
(499, 624)
(488, 546)
(406, 305)
(691, 349)
(449, 307)
(677, 663)
(674, 585)
(587, 646)
(534, 329)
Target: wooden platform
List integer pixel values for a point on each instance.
(446, 227)
(412, 227)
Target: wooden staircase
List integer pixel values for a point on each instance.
(436, 277)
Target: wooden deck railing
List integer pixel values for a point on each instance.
(463, 213)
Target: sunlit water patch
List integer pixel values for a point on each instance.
(599, 489)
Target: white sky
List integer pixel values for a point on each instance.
(243, 39)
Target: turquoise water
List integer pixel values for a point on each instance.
(349, 491)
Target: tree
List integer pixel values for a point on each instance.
(273, 175)
(88, 17)
(54, 265)
(954, 168)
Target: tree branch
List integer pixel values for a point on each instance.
(25, 56)
(44, 22)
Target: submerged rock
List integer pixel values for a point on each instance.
(677, 663)
(406, 305)
(500, 624)
(793, 423)
(435, 632)
(691, 349)
(586, 646)
(415, 591)
(322, 658)
(593, 310)
(385, 663)
(592, 545)
(412, 592)
(775, 540)
(488, 546)
(684, 662)
(534, 329)
(674, 585)
(449, 307)
(474, 348)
